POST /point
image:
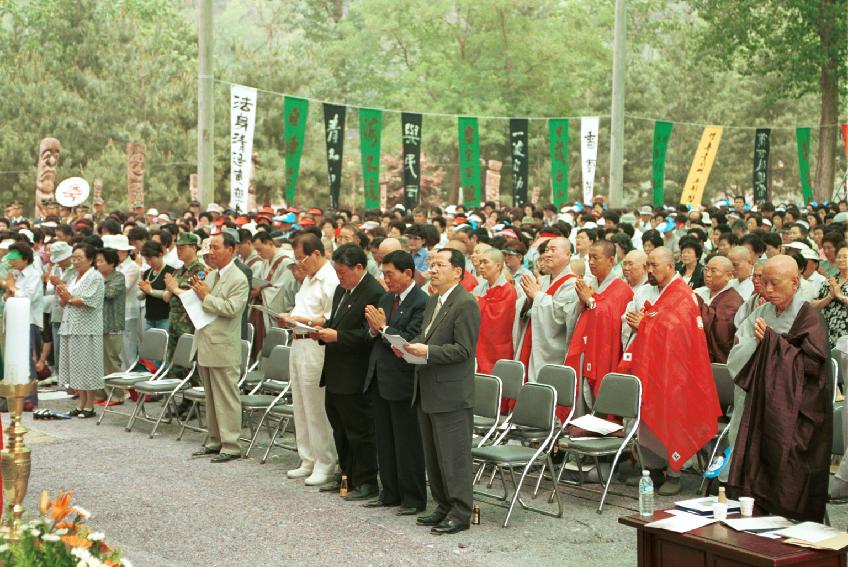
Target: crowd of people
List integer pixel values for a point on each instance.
(661, 293)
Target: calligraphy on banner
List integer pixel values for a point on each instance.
(370, 128)
(294, 129)
(518, 140)
(589, 126)
(662, 133)
(469, 161)
(411, 134)
(761, 160)
(696, 181)
(242, 125)
(803, 137)
(334, 128)
(558, 134)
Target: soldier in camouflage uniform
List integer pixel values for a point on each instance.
(178, 321)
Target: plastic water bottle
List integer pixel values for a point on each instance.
(646, 495)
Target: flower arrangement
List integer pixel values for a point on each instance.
(59, 538)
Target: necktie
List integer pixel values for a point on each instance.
(435, 314)
(344, 298)
(395, 306)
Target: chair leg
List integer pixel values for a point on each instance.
(165, 408)
(718, 441)
(271, 439)
(609, 478)
(255, 433)
(106, 405)
(187, 418)
(139, 404)
(515, 496)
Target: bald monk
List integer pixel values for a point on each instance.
(656, 280)
(719, 302)
(387, 246)
(634, 269)
(496, 297)
(756, 298)
(782, 426)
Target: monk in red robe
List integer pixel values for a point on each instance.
(719, 303)
(597, 334)
(496, 297)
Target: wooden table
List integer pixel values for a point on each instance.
(717, 545)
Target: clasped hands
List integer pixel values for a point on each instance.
(322, 334)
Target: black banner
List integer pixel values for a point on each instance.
(334, 132)
(411, 131)
(761, 159)
(518, 142)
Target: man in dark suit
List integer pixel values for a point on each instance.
(389, 384)
(345, 366)
(444, 392)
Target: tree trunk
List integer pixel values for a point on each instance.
(828, 128)
(453, 193)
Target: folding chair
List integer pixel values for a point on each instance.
(620, 395)
(256, 373)
(154, 346)
(724, 388)
(278, 370)
(487, 406)
(534, 409)
(169, 387)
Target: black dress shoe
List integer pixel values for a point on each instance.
(449, 527)
(409, 511)
(378, 503)
(205, 452)
(224, 458)
(362, 492)
(433, 519)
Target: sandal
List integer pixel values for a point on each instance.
(84, 414)
(75, 412)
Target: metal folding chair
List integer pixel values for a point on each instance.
(724, 388)
(277, 370)
(487, 406)
(256, 372)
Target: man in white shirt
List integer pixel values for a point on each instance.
(166, 239)
(743, 268)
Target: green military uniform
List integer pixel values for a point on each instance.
(178, 319)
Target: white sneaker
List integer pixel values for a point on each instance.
(300, 472)
(319, 479)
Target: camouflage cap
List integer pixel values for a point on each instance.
(188, 238)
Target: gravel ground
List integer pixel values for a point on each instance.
(165, 508)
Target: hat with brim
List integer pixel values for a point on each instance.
(4, 245)
(117, 242)
(188, 239)
(60, 251)
(666, 226)
(232, 232)
(810, 254)
(628, 218)
(307, 221)
(646, 210)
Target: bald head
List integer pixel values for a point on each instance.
(661, 266)
(634, 267)
(558, 254)
(740, 256)
(718, 273)
(490, 264)
(780, 281)
(601, 259)
(386, 246)
(456, 244)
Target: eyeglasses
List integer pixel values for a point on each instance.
(439, 265)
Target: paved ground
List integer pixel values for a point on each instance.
(164, 508)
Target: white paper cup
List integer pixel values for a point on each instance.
(746, 503)
(720, 510)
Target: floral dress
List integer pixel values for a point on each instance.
(835, 314)
(81, 334)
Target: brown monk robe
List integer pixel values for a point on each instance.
(719, 304)
(782, 451)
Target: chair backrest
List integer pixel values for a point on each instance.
(841, 357)
(275, 337)
(838, 443)
(724, 386)
(487, 396)
(563, 379)
(245, 356)
(154, 345)
(511, 373)
(535, 406)
(184, 353)
(278, 364)
(619, 395)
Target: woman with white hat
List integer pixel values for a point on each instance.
(131, 271)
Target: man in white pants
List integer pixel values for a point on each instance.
(312, 306)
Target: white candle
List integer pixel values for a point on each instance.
(16, 353)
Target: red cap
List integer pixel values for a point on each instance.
(294, 210)
(260, 218)
(315, 211)
(241, 221)
(267, 210)
(220, 220)
(308, 221)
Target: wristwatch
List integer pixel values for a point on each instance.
(590, 303)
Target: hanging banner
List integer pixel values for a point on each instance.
(662, 132)
(242, 124)
(761, 159)
(845, 139)
(803, 137)
(334, 128)
(518, 128)
(696, 181)
(370, 127)
(411, 133)
(558, 134)
(589, 153)
(294, 126)
(469, 161)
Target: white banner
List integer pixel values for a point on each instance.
(589, 153)
(242, 123)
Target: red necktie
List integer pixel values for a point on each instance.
(395, 306)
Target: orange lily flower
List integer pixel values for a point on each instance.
(60, 507)
(76, 541)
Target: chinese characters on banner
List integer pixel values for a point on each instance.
(518, 140)
(761, 160)
(370, 127)
(662, 132)
(558, 133)
(803, 137)
(589, 153)
(242, 124)
(705, 156)
(469, 161)
(334, 130)
(411, 132)
(294, 130)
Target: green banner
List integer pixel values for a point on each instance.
(370, 126)
(294, 130)
(803, 136)
(662, 132)
(469, 161)
(558, 133)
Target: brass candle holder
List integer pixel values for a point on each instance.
(15, 458)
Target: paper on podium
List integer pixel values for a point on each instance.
(595, 424)
(400, 343)
(194, 309)
(681, 523)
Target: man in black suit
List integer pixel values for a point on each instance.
(444, 392)
(389, 384)
(345, 366)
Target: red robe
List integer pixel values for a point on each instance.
(669, 356)
(469, 282)
(597, 334)
(497, 316)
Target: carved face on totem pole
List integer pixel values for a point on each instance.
(48, 159)
(135, 174)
